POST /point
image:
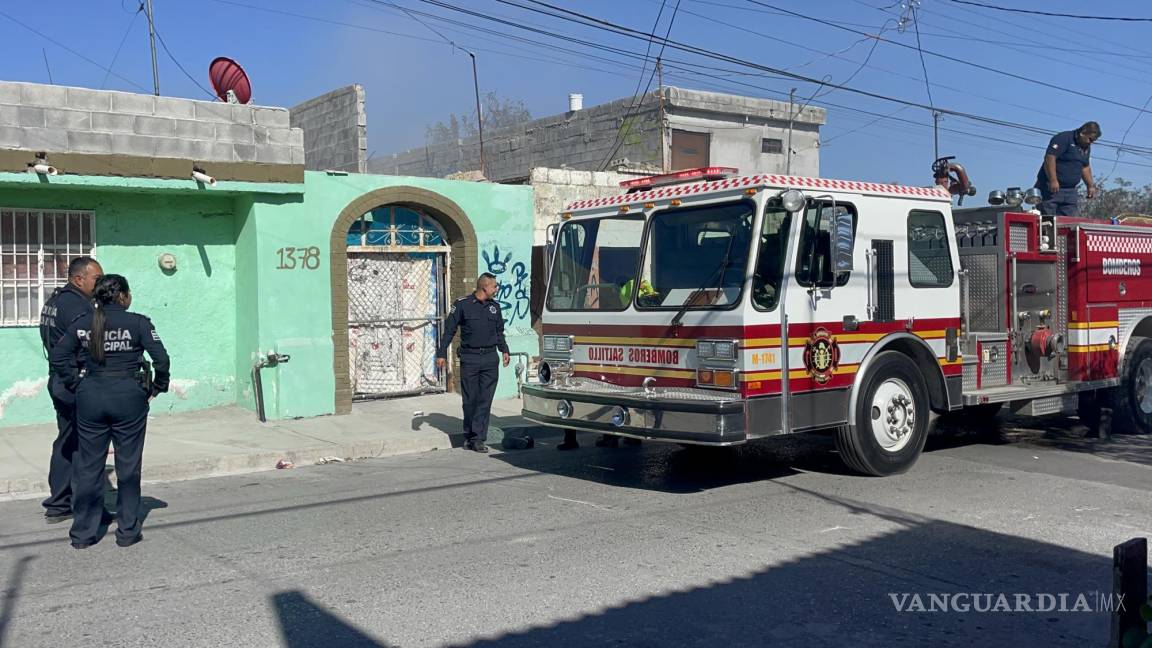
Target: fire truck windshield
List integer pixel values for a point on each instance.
(595, 264)
(696, 256)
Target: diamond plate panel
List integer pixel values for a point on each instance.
(984, 293)
(994, 373)
(1018, 237)
(1128, 318)
(392, 322)
(970, 377)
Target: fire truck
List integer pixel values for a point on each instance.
(702, 307)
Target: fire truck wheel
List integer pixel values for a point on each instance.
(1132, 400)
(891, 418)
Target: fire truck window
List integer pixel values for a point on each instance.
(929, 251)
(696, 256)
(814, 256)
(595, 264)
(770, 261)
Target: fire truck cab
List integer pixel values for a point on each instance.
(705, 308)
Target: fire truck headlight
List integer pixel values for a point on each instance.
(726, 350)
(619, 417)
(545, 373)
(793, 199)
(705, 349)
(563, 409)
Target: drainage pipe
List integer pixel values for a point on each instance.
(271, 360)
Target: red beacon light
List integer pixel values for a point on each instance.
(687, 175)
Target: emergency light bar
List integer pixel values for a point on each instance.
(687, 175)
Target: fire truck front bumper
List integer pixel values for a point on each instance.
(691, 416)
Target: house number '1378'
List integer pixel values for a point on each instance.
(292, 258)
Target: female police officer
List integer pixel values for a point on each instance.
(111, 404)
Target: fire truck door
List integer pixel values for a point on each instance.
(822, 302)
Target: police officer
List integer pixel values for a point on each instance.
(481, 334)
(61, 309)
(1067, 161)
(112, 398)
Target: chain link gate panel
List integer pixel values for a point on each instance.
(394, 321)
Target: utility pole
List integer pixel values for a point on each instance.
(152, 43)
(479, 115)
(663, 143)
(936, 134)
(791, 116)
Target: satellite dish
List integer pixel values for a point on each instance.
(229, 81)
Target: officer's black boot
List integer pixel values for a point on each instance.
(570, 442)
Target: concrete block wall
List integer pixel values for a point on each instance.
(335, 130)
(555, 189)
(59, 119)
(584, 139)
(579, 140)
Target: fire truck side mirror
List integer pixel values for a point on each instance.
(844, 239)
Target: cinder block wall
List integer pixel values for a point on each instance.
(59, 119)
(335, 130)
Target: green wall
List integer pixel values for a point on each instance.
(187, 306)
(230, 301)
(295, 312)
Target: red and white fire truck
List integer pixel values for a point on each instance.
(704, 308)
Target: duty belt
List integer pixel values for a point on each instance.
(477, 350)
(115, 373)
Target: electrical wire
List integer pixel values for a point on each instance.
(169, 53)
(1052, 13)
(131, 23)
(72, 51)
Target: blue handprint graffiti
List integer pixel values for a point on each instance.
(513, 296)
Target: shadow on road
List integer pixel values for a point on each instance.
(305, 624)
(14, 584)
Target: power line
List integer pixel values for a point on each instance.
(116, 56)
(978, 66)
(72, 51)
(1052, 13)
(190, 77)
(626, 124)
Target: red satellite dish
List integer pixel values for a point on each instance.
(226, 74)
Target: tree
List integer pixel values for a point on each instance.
(498, 113)
(1121, 199)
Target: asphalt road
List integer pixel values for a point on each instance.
(771, 544)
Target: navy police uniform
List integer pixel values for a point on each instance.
(111, 405)
(66, 305)
(1070, 162)
(481, 327)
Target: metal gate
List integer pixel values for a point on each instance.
(395, 314)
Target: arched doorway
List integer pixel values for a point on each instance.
(399, 256)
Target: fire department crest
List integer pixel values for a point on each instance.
(821, 356)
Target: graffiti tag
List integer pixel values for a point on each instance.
(513, 294)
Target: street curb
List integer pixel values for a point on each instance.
(258, 461)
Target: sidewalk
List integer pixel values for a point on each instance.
(230, 440)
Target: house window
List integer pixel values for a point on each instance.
(393, 226)
(35, 249)
(771, 145)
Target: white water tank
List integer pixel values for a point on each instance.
(575, 102)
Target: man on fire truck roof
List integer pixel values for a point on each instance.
(1067, 161)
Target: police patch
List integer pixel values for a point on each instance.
(492, 308)
(155, 335)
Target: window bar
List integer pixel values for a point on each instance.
(39, 264)
(3, 315)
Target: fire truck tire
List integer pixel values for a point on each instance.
(891, 418)
(1132, 399)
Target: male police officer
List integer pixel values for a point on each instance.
(481, 335)
(1067, 161)
(66, 305)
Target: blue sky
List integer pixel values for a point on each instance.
(412, 77)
